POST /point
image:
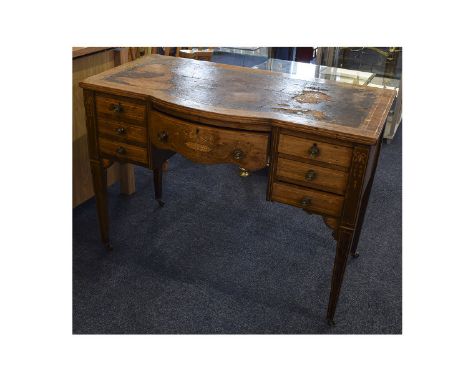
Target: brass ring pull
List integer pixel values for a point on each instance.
(314, 151)
(305, 202)
(117, 108)
(310, 175)
(238, 154)
(163, 136)
(121, 130)
(121, 150)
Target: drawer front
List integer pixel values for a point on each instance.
(205, 144)
(121, 110)
(123, 151)
(315, 201)
(316, 150)
(310, 175)
(122, 130)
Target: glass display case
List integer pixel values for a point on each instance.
(368, 66)
(240, 56)
(386, 63)
(311, 71)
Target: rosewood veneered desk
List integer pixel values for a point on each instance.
(319, 139)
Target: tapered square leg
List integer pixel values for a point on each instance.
(343, 245)
(157, 180)
(357, 232)
(127, 179)
(99, 173)
(363, 205)
(360, 221)
(159, 159)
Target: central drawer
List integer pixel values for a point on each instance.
(205, 144)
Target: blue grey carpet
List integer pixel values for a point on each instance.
(219, 258)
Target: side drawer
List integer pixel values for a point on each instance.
(205, 144)
(123, 151)
(310, 175)
(315, 201)
(122, 130)
(118, 109)
(315, 150)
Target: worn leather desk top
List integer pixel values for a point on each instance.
(257, 99)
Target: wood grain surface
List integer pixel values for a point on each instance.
(122, 131)
(131, 153)
(84, 51)
(128, 111)
(327, 153)
(310, 175)
(320, 202)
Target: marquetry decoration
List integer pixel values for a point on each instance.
(355, 185)
(358, 166)
(90, 105)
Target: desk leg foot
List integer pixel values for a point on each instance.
(109, 247)
(243, 172)
(161, 203)
(331, 323)
(355, 255)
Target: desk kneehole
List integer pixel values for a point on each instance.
(206, 144)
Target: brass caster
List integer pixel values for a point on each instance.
(355, 255)
(161, 203)
(330, 322)
(243, 172)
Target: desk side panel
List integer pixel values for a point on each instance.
(84, 67)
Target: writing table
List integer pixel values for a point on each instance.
(320, 139)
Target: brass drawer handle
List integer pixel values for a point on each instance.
(121, 130)
(163, 136)
(117, 108)
(238, 154)
(121, 150)
(305, 202)
(310, 175)
(314, 151)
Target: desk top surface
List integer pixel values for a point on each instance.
(251, 96)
